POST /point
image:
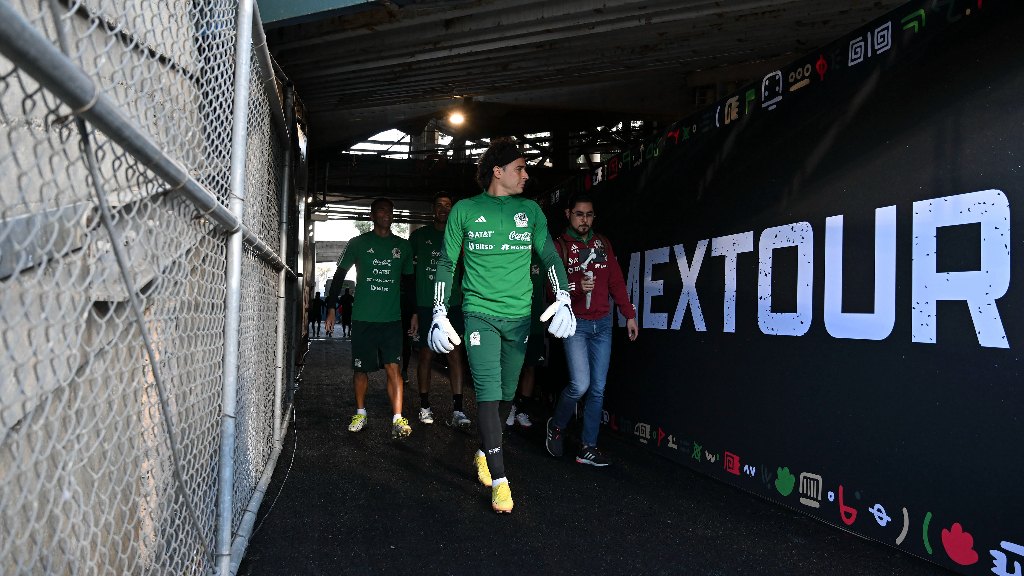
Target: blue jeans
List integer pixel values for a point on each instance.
(587, 352)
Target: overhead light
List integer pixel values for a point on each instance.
(456, 118)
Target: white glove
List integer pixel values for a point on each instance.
(563, 321)
(442, 336)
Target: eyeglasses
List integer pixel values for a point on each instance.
(583, 214)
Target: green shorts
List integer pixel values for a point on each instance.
(496, 347)
(426, 317)
(375, 344)
(536, 349)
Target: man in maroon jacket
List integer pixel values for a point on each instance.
(594, 275)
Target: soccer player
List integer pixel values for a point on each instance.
(380, 258)
(495, 232)
(426, 249)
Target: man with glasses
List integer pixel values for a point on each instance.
(594, 274)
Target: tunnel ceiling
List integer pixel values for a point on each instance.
(527, 66)
(380, 65)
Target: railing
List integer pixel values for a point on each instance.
(146, 308)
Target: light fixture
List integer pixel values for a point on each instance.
(456, 118)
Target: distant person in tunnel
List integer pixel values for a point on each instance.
(315, 315)
(381, 259)
(345, 308)
(495, 232)
(594, 275)
(427, 243)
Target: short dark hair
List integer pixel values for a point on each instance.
(380, 201)
(443, 194)
(576, 199)
(502, 151)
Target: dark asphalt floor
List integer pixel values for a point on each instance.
(344, 503)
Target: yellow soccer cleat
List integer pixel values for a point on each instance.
(401, 428)
(358, 421)
(482, 472)
(501, 498)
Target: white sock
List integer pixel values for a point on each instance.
(361, 411)
(395, 418)
(480, 453)
(496, 481)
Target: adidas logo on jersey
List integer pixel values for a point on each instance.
(370, 251)
(481, 219)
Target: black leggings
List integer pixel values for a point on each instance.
(490, 420)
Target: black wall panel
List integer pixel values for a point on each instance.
(872, 380)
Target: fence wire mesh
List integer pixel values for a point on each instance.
(87, 481)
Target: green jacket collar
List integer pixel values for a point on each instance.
(586, 240)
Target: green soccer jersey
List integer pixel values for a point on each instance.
(427, 244)
(495, 236)
(380, 264)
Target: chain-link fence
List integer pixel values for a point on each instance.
(116, 195)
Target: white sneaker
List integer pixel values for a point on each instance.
(459, 420)
(523, 419)
(426, 416)
(511, 416)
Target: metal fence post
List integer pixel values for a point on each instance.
(243, 56)
(282, 295)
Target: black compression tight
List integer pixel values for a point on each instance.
(489, 414)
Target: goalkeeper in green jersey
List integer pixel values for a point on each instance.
(495, 233)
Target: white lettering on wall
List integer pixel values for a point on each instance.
(688, 274)
(654, 288)
(731, 247)
(876, 325)
(796, 323)
(979, 288)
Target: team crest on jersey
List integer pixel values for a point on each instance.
(521, 220)
(357, 363)
(474, 339)
(396, 253)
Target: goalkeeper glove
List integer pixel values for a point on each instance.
(563, 321)
(442, 337)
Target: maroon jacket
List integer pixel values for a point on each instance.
(607, 275)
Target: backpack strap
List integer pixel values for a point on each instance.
(563, 251)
